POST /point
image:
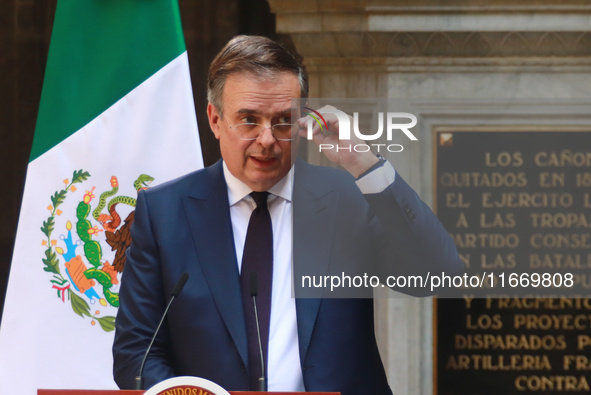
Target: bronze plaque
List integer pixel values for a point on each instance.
(517, 201)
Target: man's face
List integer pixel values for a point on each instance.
(259, 163)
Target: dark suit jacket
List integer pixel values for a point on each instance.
(185, 226)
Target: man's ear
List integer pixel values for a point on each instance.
(214, 120)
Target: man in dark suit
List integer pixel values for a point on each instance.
(199, 223)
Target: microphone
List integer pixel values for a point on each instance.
(254, 291)
(139, 380)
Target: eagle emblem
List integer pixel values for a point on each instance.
(83, 273)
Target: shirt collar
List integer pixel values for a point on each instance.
(237, 190)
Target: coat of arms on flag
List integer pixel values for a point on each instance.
(83, 271)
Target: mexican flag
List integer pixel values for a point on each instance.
(116, 116)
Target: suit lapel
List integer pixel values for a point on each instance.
(208, 214)
(314, 212)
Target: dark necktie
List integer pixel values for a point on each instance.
(257, 258)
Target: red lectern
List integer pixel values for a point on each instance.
(129, 392)
(174, 385)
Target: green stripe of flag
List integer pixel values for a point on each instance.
(90, 65)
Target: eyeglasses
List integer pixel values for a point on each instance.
(252, 131)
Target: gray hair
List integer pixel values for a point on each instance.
(257, 55)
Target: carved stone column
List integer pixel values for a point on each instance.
(433, 50)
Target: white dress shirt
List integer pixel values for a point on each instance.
(284, 372)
